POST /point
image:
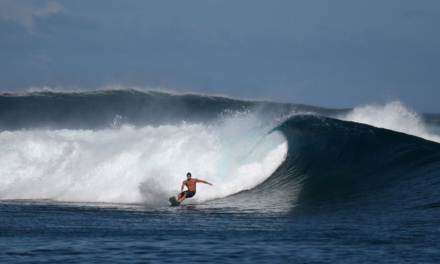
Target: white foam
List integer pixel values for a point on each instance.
(138, 165)
(393, 116)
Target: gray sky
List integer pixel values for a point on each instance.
(327, 53)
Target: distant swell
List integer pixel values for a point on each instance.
(111, 109)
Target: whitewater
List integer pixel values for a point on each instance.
(137, 165)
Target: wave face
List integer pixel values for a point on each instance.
(136, 147)
(343, 161)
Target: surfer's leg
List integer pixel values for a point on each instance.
(183, 198)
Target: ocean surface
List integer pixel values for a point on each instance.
(85, 177)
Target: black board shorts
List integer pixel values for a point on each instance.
(189, 194)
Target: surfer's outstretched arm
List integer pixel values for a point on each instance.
(202, 181)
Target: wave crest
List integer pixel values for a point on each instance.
(393, 116)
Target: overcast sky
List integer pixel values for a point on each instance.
(338, 54)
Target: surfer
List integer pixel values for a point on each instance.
(191, 185)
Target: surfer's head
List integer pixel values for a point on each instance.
(188, 176)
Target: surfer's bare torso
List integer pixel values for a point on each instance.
(190, 184)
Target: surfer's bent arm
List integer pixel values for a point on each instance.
(202, 181)
(183, 185)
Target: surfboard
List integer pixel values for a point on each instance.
(174, 201)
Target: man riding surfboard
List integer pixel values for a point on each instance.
(191, 185)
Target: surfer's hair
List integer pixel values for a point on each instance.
(189, 173)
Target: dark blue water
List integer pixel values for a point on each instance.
(345, 192)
